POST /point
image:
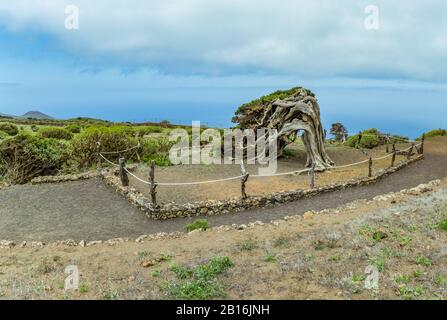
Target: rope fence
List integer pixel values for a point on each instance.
(243, 177)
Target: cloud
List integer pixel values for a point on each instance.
(319, 38)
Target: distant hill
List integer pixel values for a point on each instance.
(3, 115)
(36, 115)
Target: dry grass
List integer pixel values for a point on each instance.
(323, 257)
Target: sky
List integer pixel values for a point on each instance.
(371, 63)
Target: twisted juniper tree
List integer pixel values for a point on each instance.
(292, 113)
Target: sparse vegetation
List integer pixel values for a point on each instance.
(199, 283)
(200, 224)
(247, 245)
(443, 225)
(270, 258)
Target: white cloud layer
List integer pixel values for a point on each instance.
(321, 38)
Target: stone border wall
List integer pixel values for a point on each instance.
(213, 207)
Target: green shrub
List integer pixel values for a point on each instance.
(156, 149)
(443, 225)
(27, 156)
(111, 139)
(9, 128)
(34, 128)
(435, 133)
(145, 130)
(372, 138)
(201, 224)
(55, 133)
(74, 128)
(3, 135)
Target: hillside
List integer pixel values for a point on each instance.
(36, 115)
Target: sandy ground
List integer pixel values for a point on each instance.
(318, 256)
(257, 185)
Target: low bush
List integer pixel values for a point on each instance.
(74, 128)
(9, 128)
(200, 224)
(156, 150)
(27, 156)
(111, 139)
(145, 130)
(55, 133)
(435, 133)
(373, 138)
(3, 135)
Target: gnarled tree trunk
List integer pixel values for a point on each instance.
(297, 113)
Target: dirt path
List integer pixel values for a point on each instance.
(87, 210)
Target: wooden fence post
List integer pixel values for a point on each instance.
(370, 167)
(153, 185)
(410, 152)
(421, 150)
(312, 176)
(244, 179)
(123, 174)
(98, 149)
(393, 160)
(387, 144)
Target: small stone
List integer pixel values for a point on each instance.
(93, 243)
(7, 244)
(23, 244)
(242, 227)
(140, 239)
(37, 244)
(147, 264)
(82, 243)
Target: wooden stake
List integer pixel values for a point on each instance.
(98, 149)
(153, 185)
(393, 161)
(244, 179)
(387, 144)
(123, 174)
(410, 152)
(421, 150)
(370, 166)
(360, 139)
